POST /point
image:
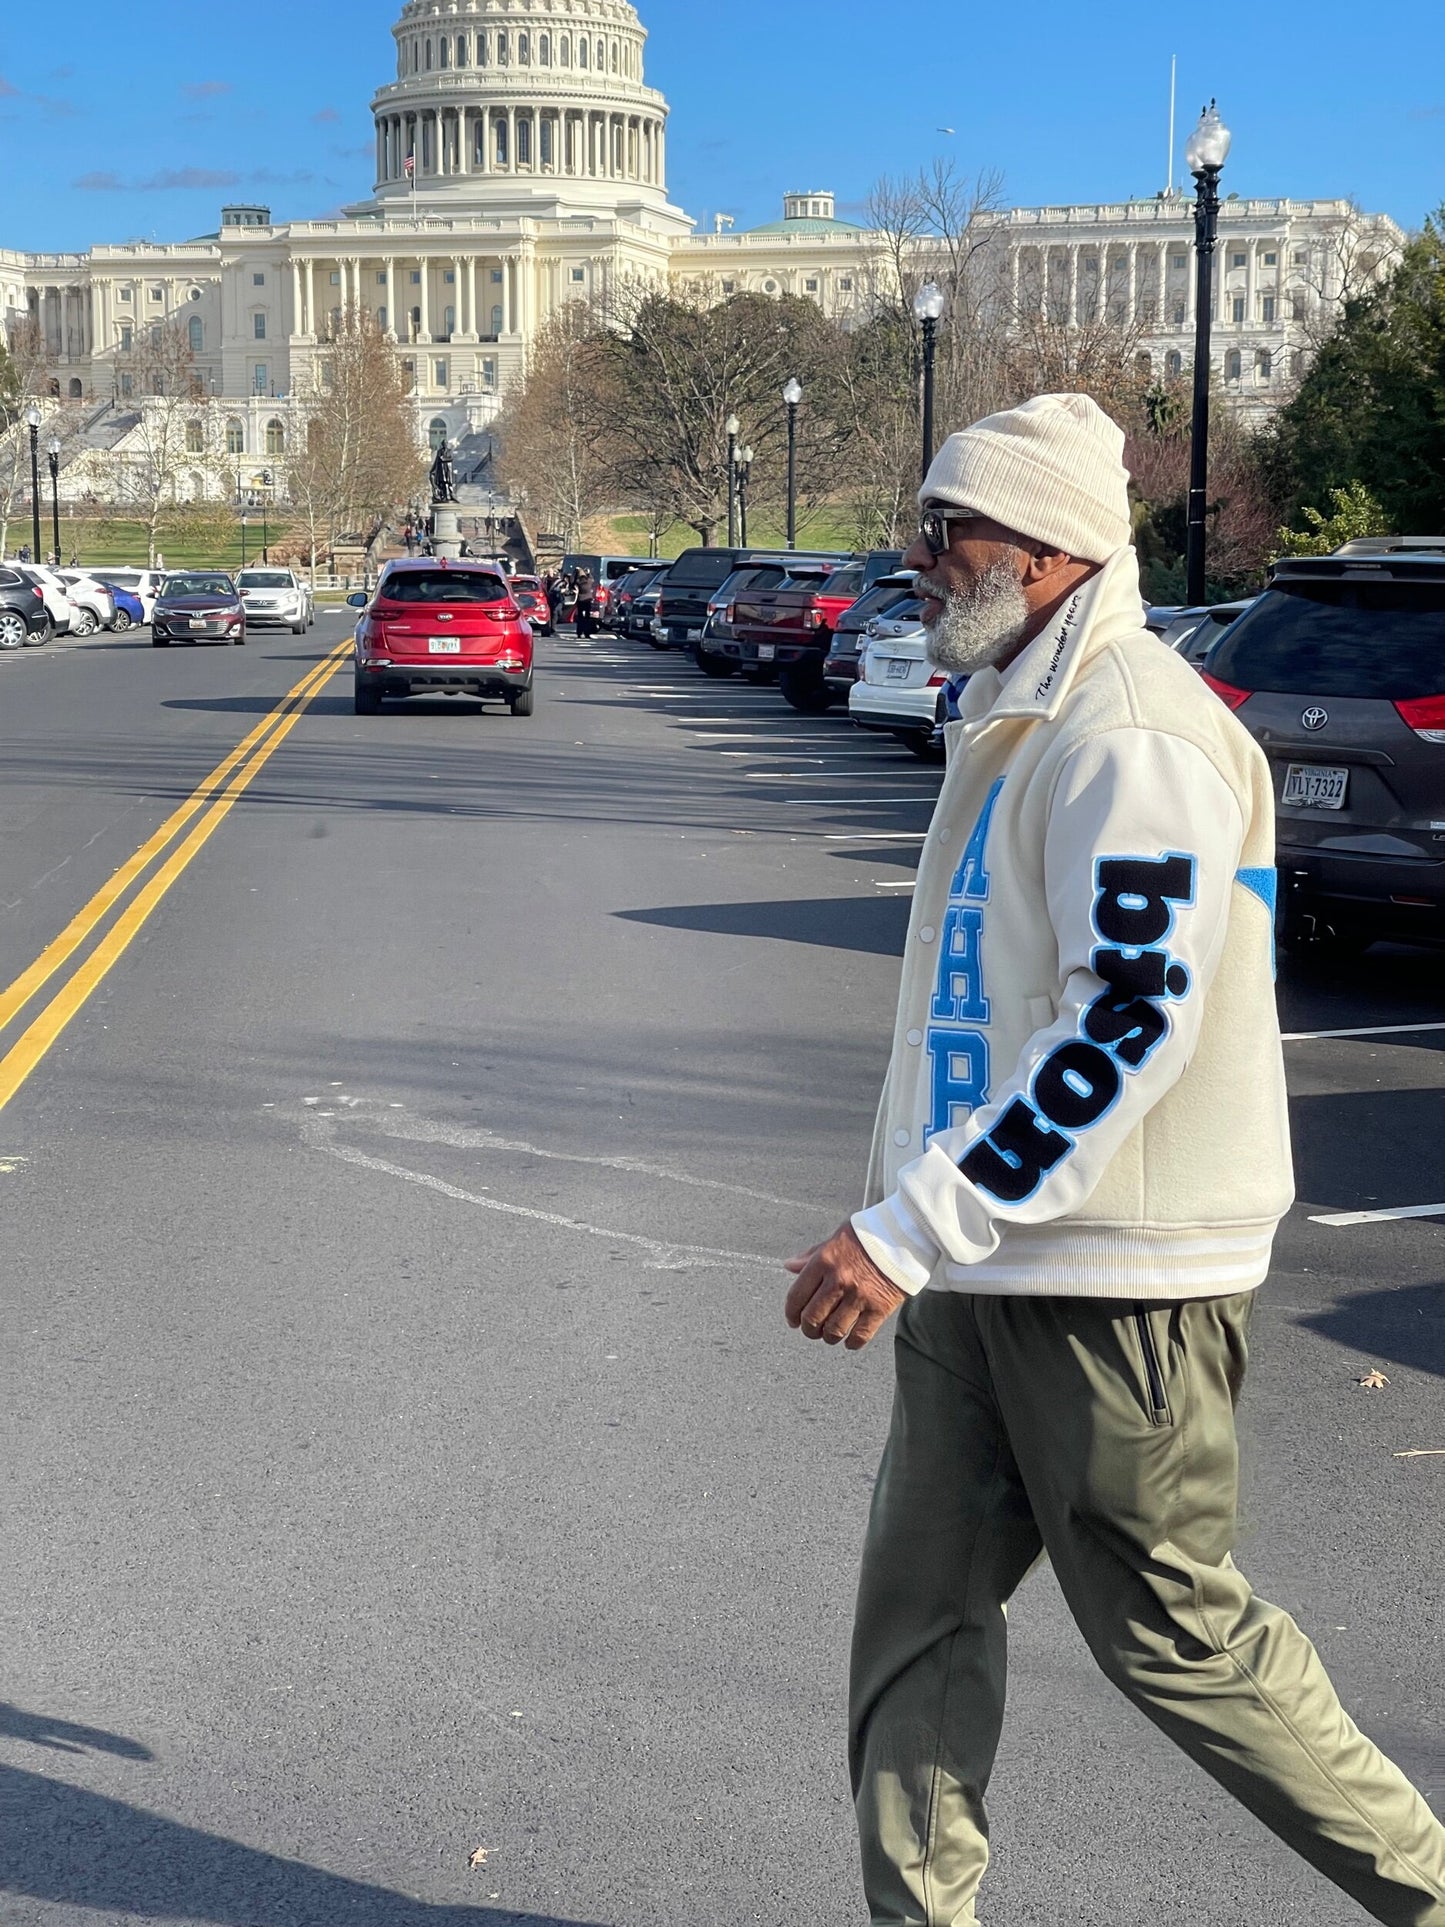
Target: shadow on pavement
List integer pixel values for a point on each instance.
(1368, 1150)
(1402, 1323)
(875, 925)
(64, 1736)
(75, 1848)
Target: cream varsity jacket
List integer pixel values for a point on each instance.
(1086, 1093)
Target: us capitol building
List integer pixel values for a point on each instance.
(521, 163)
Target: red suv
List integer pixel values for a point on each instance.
(442, 628)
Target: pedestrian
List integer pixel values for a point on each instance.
(1081, 1158)
(23, 553)
(585, 603)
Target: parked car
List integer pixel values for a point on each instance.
(145, 583)
(792, 626)
(442, 628)
(1392, 545)
(277, 595)
(1193, 632)
(92, 598)
(1338, 672)
(24, 618)
(642, 616)
(62, 611)
(129, 609)
(604, 570)
(693, 578)
(629, 588)
(892, 595)
(531, 599)
(198, 605)
(710, 651)
(898, 690)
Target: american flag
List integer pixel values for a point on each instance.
(409, 166)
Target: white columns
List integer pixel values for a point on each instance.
(424, 333)
(311, 299)
(1074, 307)
(390, 268)
(464, 142)
(474, 327)
(297, 321)
(511, 140)
(1251, 305)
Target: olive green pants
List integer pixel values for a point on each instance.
(1104, 1436)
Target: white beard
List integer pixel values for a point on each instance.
(980, 624)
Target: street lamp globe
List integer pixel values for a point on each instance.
(745, 456)
(32, 416)
(1208, 146)
(793, 392)
(54, 445)
(732, 425)
(929, 302)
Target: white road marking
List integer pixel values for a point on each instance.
(668, 1257)
(893, 886)
(1370, 1030)
(875, 836)
(848, 802)
(1338, 1218)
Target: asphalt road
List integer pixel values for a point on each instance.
(403, 1453)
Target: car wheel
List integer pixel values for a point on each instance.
(239, 642)
(366, 702)
(298, 628)
(1311, 941)
(711, 665)
(13, 632)
(84, 623)
(160, 642)
(121, 623)
(920, 742)
(521, 702)
(804, 689)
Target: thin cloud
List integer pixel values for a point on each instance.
(325, 117)
(206, 89)
(7, 92)
(170, 180)
(1427, 113)
(363, 151)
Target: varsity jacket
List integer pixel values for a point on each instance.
(1086, 1091)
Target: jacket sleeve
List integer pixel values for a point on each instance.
(1142, 843)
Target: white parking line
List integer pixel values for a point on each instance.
(1370, 1030)
(1338, 1218)
(893, 886)
(875, 836)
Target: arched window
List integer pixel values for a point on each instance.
(436, 432)
(235, 437)
(544, 49)
(449, 321)
(524, 50)
(415, 322)
(497, 320)
(194, 440)
(504, 50)
(481, 49)
(461, 50)
(1174, 362)
(427, 58)
(196, 334)
(566, 50)
(582, 52)
(524, 143)
(1264, 364)
(195, 487)
(74, 389)
(614, 56)
(601, 61)
(275, 437)
(501, 143)
(1233, 365)
(444, 48)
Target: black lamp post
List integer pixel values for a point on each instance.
(732, 425)
(266, 480)
(1205, 154)
(32, 417)
(742, 469)
(243, 538)
(928, 307)
(53, 451)
(792, 395)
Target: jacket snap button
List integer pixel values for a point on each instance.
(915, 1037)
(900, 1137)
(927, 933)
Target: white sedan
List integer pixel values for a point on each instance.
(276, 595)
(898, 689)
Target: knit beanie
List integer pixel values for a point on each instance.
(1051, 469)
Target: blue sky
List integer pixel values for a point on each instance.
(140, 120)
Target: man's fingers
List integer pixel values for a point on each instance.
(869, 1323)
(819, 1308)
(803, 1260)
(800, 1291)
(842, 1318)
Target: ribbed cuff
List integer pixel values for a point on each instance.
(898, 1244)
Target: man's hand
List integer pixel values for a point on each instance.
(839, 1294)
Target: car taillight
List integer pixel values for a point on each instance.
(1226, 691)
(813, 619)
(937, 682)
(729, 614)
(1426, 716)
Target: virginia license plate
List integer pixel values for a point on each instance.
(767, 651)
(445, 645)
(1309, 786)
(898, 669)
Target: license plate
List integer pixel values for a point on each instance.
(1308, 786)
(445, 645)
(898, 669)
(198, 622)
(766, 651)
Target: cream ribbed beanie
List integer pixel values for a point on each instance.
(1051, 469)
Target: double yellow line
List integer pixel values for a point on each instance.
(212, 801)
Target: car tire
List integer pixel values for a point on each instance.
(366, 702)
(803, 689)
(711, 665)
(522, 702)
(84, 623)
(160, 642)
(14, 632)
(238, 642)
(122, 622)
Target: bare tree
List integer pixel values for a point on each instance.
(24, 379)
(551, 430)
(356, 457)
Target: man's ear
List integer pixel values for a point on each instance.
(1044, 562)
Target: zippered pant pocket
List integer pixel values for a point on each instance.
(1158, 1396)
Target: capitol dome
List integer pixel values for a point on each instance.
(497, 102)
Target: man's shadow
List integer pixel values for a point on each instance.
(63, 1844)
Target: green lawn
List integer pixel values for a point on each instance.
(121, 544)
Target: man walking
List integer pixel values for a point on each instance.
(1081, 1158)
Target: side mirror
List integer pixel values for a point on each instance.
(357, 600)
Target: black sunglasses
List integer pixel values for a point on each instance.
(934, 525)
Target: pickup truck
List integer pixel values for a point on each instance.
(696, 574)
(791, 626)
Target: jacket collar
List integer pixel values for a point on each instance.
(1035, 684)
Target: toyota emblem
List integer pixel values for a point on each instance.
(1315, 718)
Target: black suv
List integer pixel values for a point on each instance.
(23, 617)
(1338, 672)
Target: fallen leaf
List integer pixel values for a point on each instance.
(1373, 1380)
(479, 1857)
(1421, 1452)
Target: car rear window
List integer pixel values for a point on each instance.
(443, 585)
(1381, 639)
(753, 578)
(619, 565)
(848, 582)
(704, 570)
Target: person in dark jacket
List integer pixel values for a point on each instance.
(586, 603)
